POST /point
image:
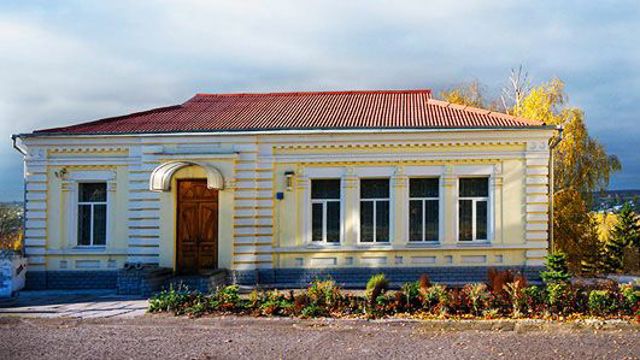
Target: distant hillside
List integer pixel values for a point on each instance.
(612, 199)
(11, 203)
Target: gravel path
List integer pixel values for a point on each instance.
(162, 337)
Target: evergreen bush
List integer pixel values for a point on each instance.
(556, 268)
(626, 232)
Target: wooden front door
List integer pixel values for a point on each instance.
(197, 223)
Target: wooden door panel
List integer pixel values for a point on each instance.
(209, 221)
(192, 190)
(189, 224)
(197, 233)
(208, 246)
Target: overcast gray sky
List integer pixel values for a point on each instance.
(70, 61)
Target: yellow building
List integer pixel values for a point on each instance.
(280, 188)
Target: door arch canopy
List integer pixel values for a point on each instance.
(160, 179)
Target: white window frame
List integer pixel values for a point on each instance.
(474, 201)
(424, 200)
(72, 182)
(324, 214)
(375, 214)
(93, 205)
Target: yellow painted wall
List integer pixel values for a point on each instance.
(508, 246)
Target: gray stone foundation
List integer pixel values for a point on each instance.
(146, 280)
(71, 280)
(357, 277)
(142, 280)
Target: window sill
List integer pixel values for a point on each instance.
(87, 250)
(424, 244)
(386, 245)
(323, 245)
(477, 243)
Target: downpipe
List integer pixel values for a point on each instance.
(553, 143)
(23, 151)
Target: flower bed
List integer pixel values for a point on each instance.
(505, 295)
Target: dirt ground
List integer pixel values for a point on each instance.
(165, 337)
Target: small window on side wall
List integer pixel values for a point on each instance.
(473, 199)
(92, 214)
(325, 211)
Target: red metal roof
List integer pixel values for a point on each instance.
(383, 109)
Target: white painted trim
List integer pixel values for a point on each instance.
(308, 205)
(325, 172)
(391, 248)
(294, 132)
(433, 171)
(373, 172)
(73, 179)
(423, 201)
(72, 210)
(91, 176)
(392, 214)
(160, 179)
(490, 199)
(474, 170)
(383, 156)
(95, 250)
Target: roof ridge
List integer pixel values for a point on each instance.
(319, 92)
(482, 111)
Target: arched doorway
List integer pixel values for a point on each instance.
(196, 215)
(197, 227)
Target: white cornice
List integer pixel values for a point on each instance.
(299, 135)
(397, 157)
(396, 144)
(88, 149)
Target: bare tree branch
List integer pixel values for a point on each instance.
(517, 88)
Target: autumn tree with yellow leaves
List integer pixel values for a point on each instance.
(581, 164)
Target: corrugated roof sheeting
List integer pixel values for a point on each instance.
(392, 109)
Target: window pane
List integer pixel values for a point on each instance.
(465, 220)
(99, 224)
(84, 225)
(366, 221)
(474, 187)
(382, 221)
(481, 220)
(90, 192)
(415, 220)
(374, 188)
(424, 187)
(431, 227)
(333, 221)
(325, 189)
(316, 222)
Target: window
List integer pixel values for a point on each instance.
(424, 209)
(325, 211)
(374, 210)
(92, 214)
(472, 209)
